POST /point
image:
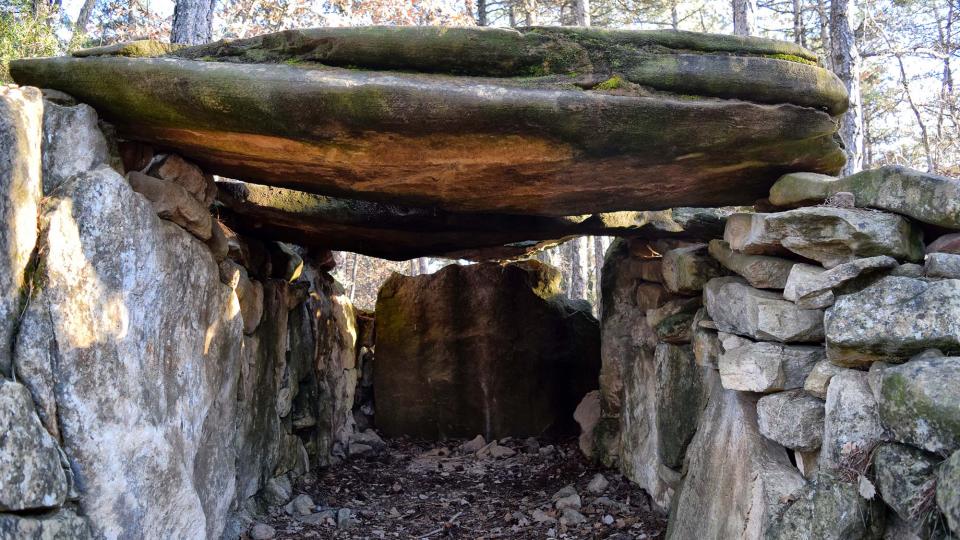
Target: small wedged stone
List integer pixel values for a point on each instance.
(819, 378)
(942, 265)
(587, 415)
(760, 271)
(793, 419)
(72, 143)
(920, 403)
(831, 236)
(672, 322)
(737, 308)
(812, 290)
(905, 479)
(31, 477)
(181, 172)
(767, 367)
(852, 425)
(173, 202)
(218, 244)
(892, 320)
(704, 341)
(829, 508)
(685, 270)
(923, 196)
(802, 273)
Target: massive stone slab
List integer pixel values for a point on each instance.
(926, 197)
(484, 348)
(892, 320)
(402, 232)
(548, 121)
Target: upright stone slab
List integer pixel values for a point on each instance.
(21, 120)
(486, 349)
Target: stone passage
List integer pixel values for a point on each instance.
(484, 349)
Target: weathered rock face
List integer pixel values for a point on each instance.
(73, 143)
(767, 367)
(923, 196)
(813, 290)
(793, 419)
(948, 490)
(852, 422)
(731, 471)
(21, 116)
(583, 125)
(831, 509)
(401, 232)
(905, 478)
(831, 236)
(920, 403)
(760, 271)
(485, 349)
(893, 319)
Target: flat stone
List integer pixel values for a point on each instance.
(948, 490)
(942, 265)
(802, 275)
(63, 524)
(760, 271)
(731, 470)
(402, 232)
(852, 424)
(812, 290)
(892, 320)
(737, 308)
(905, 477)
(767, 367)
(31, 477)
(468, 374)
(686, 270)
(417, 115)
(793, 419)
(21, 120)
(819, 378)
(829, 508)
(923, 196)
(920, 403)
(828, 235)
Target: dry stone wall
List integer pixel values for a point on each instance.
(160, 376)
(818, 382)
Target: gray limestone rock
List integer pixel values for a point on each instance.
(685, 270)
(829, 508)
(811, 290)
(905, 478)
(852, 424)
(942, 265)
(72, 143)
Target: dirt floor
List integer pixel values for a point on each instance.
(412, 489)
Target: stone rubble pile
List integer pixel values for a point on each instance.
(158, 372)
(814, 394)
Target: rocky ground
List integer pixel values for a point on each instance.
(505, 489)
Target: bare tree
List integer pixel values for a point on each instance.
(744, 17)
(845, 61)
(83, 18)
(482, 13)
(582, 12)
(192, 22)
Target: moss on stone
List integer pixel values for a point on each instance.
(793, 58)
(612, 83)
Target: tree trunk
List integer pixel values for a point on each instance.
(824, 16)
(353, 278)
(582, 12)
(482, 13)
(192, 22)
(845, 60)
(798, 34)
(744, 17)
(83, 18)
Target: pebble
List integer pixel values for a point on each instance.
(608, 519)
(540, 516)
(598, 484)
(473, 445)
(344, 518)
(302, 505)
(571, 517)
(262, 531)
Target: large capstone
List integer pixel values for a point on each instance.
(484, 349)
(549, 121)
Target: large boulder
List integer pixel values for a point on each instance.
(828, 235)
(738, 308)
(926, 197)
(125, 299)
(920, 403)
(484, 349)
(550, 121)
(892, 320)
(735, 478)
(73, 143)
(21, 117)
